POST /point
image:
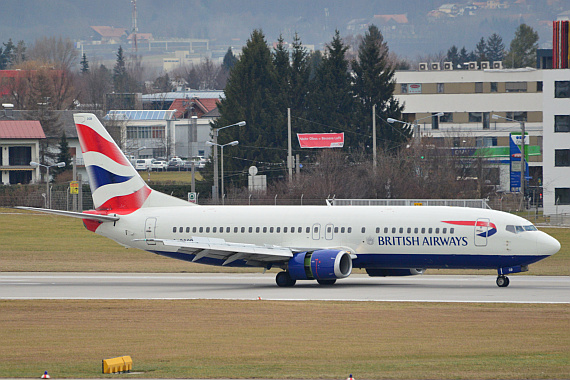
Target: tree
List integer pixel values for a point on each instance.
(64, 155)
(481, 50)
(374, 84)
(59, 53)
(84, 64)
(229, 60)
(162, 83)
(495, 48)
(522, 51)
(300, 77)
(453, 56)
(251, 94)
(120, 74)
(331, 100)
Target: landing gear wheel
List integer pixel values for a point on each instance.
(283, 279)
(502, 281)
(327, 282)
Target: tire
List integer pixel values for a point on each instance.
(502, 281)
(327, 282)
(283, 279)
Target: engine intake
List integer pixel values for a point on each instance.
(326, 264)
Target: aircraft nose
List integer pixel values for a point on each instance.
(547, 245)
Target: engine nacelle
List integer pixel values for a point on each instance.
(326, 264)
(387, 272)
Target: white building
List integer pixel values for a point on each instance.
(470, 98)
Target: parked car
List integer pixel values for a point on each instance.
(159, 165)
(175, 165)
(143, 164)
(200, 161)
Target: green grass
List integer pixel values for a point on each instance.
(170, 177)
(297, 340)
(37, 242)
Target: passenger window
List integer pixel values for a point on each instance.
(299, 230)
(510, 227)
(250, 229)
(228, 229)
(214, 228)
(285, 228)
(363, 229)
(445, 229)
(181, 229)
(188, 228)
(236, 229)
(308, 229)
(385, 230)
(257, 229)
(278, 229)
(271, 228)
(409, 228)
(243, 230)
(437, 229)
(423, 230)
(336, 230)
(349, 230)
(416, 230)
(194, 229)
(329, 228)
(342, 230)
(402, 228)
(201, 229)
(264, 230)
(378, 228)
(431, 229)
(393, 230)
(452, 230)
(207, 229)
(174, 228)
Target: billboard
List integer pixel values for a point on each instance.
(321, 140)
(515, 160)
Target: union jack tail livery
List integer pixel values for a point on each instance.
(115, 184)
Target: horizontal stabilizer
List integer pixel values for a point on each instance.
(80, 215)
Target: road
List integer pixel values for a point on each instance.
(447, 288)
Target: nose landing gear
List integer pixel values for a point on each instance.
(502, 281)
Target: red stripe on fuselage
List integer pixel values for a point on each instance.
(479, 223)
(91, 141)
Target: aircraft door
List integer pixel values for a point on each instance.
(481, 232)
(149, 230)
(316, 231)
(329, 231)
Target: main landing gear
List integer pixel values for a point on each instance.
(502, 281)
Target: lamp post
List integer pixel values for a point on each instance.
(222, 153)
(215, 144)
(415, 123)
(37, 164)
(523, 166)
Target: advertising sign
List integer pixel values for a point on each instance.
(515, 161)
(415, 88)
(321, 140)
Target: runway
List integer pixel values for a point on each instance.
(426, 288)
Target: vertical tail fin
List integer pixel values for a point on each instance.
(115, 184)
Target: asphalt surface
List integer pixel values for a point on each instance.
(426, 288)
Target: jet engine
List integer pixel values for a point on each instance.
(387, 272)
(326, 264)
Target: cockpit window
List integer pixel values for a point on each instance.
(520, 229)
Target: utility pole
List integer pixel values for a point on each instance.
(289, 153)
(523, 165)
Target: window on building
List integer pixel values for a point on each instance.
(404, 88)
(562, 196)
(486, 120)
(562, 89)
(562, 123)
(441, 88)
(434, 121)
(19, 155)
(446, 118)
(517, 115)
(562, 157)
(475, 117)
(478, 87)
(494, 87)
(515, 86)
(539, 86)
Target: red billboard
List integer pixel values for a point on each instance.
(321, 140)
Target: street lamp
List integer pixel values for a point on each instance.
(523, 166)
(415, 123)
(215, 144)
(37, 164)
(222, 150)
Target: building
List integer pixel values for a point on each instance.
(468, 100)
(19, 145)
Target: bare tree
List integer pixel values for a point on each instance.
(58, 53)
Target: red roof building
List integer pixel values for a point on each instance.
(19, 144)
(186, 108)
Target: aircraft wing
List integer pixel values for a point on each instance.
(80, 215)
(256, 255)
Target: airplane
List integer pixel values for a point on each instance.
(322, 243)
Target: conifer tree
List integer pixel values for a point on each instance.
(374, 84)
(495, 48)
(84, 64)
(481, 50)
(63, 155)
(120, 74)
(522, 52)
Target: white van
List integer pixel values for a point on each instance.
(143, 164)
